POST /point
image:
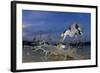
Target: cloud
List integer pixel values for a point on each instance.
(35, 24)
(26, 26)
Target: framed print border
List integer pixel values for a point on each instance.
(14, 34)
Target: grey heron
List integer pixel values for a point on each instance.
(74, 30)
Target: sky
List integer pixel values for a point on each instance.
(53, 23)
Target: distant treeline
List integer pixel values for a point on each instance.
(30, 43)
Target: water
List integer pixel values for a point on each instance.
(51, 53)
